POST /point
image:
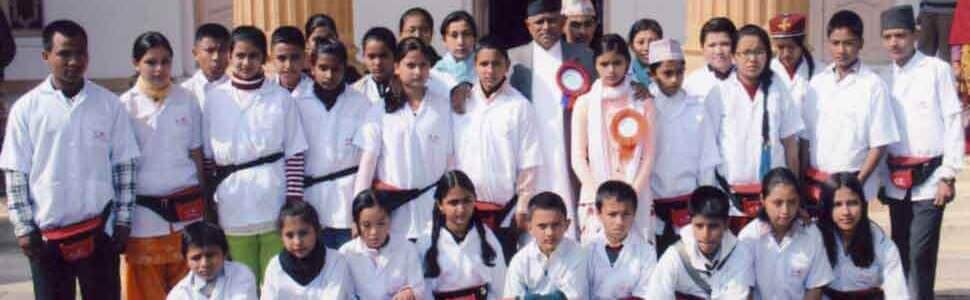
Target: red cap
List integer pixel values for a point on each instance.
(787, 25)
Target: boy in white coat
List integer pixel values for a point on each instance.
(550, 266)
(620, 260)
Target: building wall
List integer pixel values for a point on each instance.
(111, 29)
(372, 13)
(620, 14)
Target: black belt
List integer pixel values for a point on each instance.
(167, 206)
(311, 181)
(937, 5)
(866, 294)
(223, 172)
(398, 198)
(480, 293)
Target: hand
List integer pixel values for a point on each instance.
(459, 96)
(944, 194)
(120, 239)
(31, 244)
(640, 91)
(521, 221)
(404, 294)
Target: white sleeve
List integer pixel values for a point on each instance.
(368, 138)
(345, 282)
(414, 272)
(893, 281)
(124, 147)
(295, 141)
(714, 109)
(808, 112)
(269, 290)
(882, 128)
(195, 141)
(710, 153)
(515, 278)
(663, 281)
(529, 153)
(206, 141)
(646, 272)
(820, 271)
(243, 286)
(791, 117)
(499, 283)
(18, 147)
(953, 136)
(575, 284)
(741, 277)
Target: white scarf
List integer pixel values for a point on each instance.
(599, 158)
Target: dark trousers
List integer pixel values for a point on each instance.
(934, 39)
(508, 238)
(97, 275)
(667, 239)
(916, 232)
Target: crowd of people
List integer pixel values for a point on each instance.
(576, 166)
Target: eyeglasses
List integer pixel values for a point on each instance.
(752, 54)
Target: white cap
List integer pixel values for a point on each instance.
(578, 8)
(665, 49)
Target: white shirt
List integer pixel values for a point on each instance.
(628, 276)
(885, 272)
(732, 281)
(199, 85)
(235, 283)
(495, 140)
(68, 147)
(461, 264)
(700, 82)
(845, 119)
(302, 88)
(797, 85)
(166, 135)
(381, 273)
(928, 112)
(553, 174)
(436, 83)
(686, 150)
(330, 137)
(564, 270)
(413, 147)
(243, 126)
(737, 127)
(785, 270)
(333, 282)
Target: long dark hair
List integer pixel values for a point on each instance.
(806, 55)
(393, 101)
(450, 180)
(860, 248)
(764, 79)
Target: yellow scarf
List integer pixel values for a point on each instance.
(156, 93)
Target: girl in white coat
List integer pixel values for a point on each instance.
(612, 138)
(305, 269)
(789, 256)
(865, 261)
(462, 257)
(382, 266)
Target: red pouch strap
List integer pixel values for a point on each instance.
(66, 232)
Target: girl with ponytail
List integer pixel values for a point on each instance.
(755, 123)
(462, 257)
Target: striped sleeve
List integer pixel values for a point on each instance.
(294, 176)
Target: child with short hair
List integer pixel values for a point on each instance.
(288, 56)
(211, 274)
(459, 32)
(620, 260)
(551, 265)
(211, 54)
(707, 262)
(305, 269)
(379, 47)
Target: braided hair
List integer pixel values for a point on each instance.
(453, 179)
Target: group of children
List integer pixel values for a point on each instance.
(437, 177)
